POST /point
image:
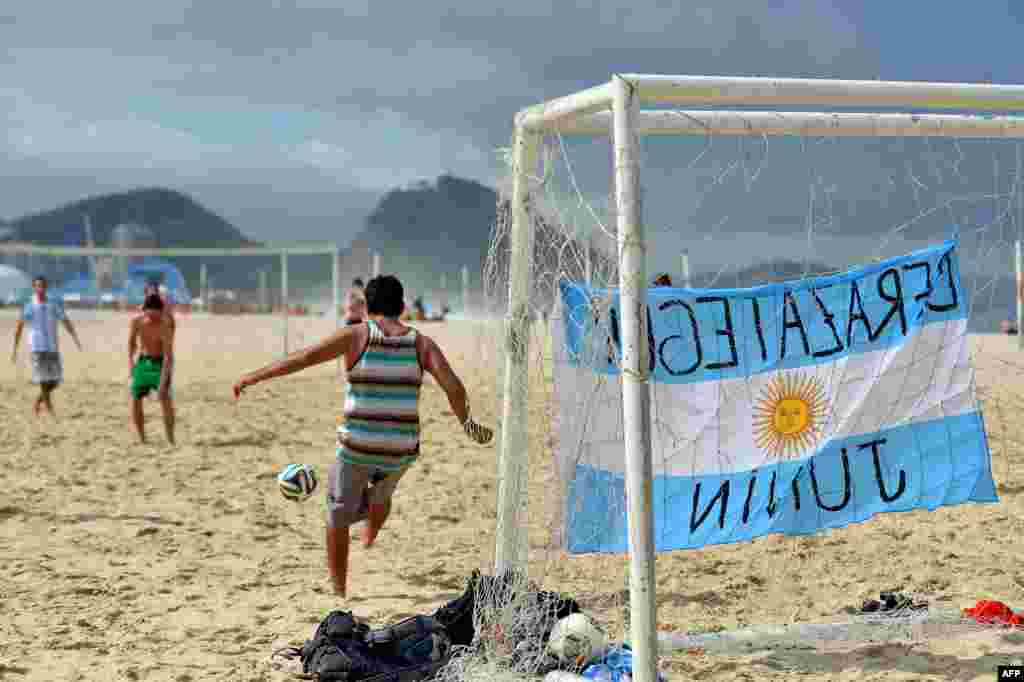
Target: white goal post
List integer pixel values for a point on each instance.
(613, 109)
(281, 251)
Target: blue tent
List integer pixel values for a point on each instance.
(131, 288)
(156, 270)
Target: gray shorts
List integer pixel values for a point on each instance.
(47, 368)
(352, 488)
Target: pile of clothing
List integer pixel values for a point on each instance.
(614, 665)
(991, 612)
(892, 602)
(345, 650)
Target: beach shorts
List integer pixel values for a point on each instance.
(352, 488)
(47, 368)
(146, 377)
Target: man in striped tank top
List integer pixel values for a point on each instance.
(379, 436)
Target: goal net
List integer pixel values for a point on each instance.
(773, 242)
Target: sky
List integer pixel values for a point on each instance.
(291, 119)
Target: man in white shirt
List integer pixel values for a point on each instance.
(42, 315)
(355, 303)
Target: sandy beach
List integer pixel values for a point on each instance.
(121, 561)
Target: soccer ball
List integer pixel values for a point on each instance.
(576, 639)
(297, 482)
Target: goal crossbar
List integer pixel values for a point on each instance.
(613, 109)
(799, 123)
(757, 91)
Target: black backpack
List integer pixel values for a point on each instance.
(456, 617)
(330, 654)
(344, 650)
(417, 639)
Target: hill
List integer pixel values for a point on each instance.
(425, 231)
(420, 231)
(176, 220)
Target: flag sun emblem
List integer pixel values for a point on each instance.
(789, 415)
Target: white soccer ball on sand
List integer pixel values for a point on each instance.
(576, 639)
(297, 482)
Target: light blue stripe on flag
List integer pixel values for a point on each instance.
(918, 466)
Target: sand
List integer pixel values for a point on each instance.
(121, 561)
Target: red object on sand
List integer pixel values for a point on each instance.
(994, 612)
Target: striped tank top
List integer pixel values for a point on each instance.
(381, 425)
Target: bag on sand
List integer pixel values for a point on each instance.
(457, 615)
(419, 639)
(330, 653)
(344, 650)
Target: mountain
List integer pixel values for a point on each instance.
(177, 220)
(427, 230)
(420, 232)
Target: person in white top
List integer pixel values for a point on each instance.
(355, 303)
(42, 315)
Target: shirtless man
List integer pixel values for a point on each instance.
(154, 330)
(355, 303)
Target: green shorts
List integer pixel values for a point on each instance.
(146, 376)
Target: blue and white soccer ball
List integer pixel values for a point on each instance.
(297, 482)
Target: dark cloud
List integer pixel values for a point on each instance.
(301, 113)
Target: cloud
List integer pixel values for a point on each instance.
(45, 132)
(385, 150)
(287, 105)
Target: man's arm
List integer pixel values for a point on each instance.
(17, 339)
(167, 346)
(333, 346)
(71, 330)
(133, 343)
(436, 364)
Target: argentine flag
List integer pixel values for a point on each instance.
(787, 408)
